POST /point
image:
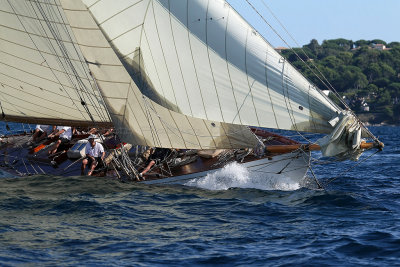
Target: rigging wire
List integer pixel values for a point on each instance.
(174, 129)
(34, 43)
(67, 58)
(323, 80)
(351, 168)
(84, 67)
(64, 61)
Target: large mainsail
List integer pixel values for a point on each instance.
(139, 119)
(183, 74)
(63, 53)
(202, 59)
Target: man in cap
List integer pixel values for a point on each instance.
(94, 154)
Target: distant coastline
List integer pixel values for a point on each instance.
(364, 73)
(376, 119)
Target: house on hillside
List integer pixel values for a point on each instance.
(380, 47)
(358, 103)
(279, 49)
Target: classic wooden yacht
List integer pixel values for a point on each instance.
(192, 75)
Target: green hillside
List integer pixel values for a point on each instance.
(365, 73)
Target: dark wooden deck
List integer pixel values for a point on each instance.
(18, 158)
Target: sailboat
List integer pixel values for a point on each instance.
(192, 75)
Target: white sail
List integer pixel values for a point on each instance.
(184, 74)
(44, 80)
(201, 58)
(139, 120)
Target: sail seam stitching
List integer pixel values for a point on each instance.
(194, 65)
(30, 37)
(229, 71)
(163, 53)
(247, 76)
(268, 90)
(177, 56)
(119, 12)
(209, 62)
(41, 99)
(155, 67)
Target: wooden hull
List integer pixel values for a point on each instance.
(18, 159)
(291, 165)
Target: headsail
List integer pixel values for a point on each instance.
(186, 74)
(202, 59)
(45, 78)
(138, 119)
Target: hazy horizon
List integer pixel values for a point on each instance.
(311, 19)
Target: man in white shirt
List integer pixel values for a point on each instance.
(94, 154)
(64, 133)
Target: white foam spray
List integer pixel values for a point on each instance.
(236, 175)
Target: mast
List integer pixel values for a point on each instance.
(182, 74)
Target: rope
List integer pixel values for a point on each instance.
(37, 48)
(352, 167)
(4, 117)
(329, 87)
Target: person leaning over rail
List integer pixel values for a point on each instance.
(64, 133)
(41, 132)
(158, 156)
(94, 155)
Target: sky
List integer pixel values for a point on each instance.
(324, 19)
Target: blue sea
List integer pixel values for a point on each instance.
(70, 221)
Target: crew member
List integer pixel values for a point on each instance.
(158, 156)
(64, 133)
(94, 155)
(41, 132)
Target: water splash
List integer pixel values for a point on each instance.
(236, 175)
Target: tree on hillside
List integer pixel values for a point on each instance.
(351, 77)
(361, 43)
(384, 98)
(382, 82)
(394, 44)
(346, 57)
(378, 41)
(314, 47)
(332, 62)
(361, 72)
(387, 71)
(373, 71)
(394, 89)
(339, 44)
(365, 56)
(371, 88)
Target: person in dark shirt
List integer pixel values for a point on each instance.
(158, 155)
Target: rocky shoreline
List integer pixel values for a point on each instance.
(377, 119)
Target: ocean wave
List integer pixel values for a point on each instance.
(235, 175)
